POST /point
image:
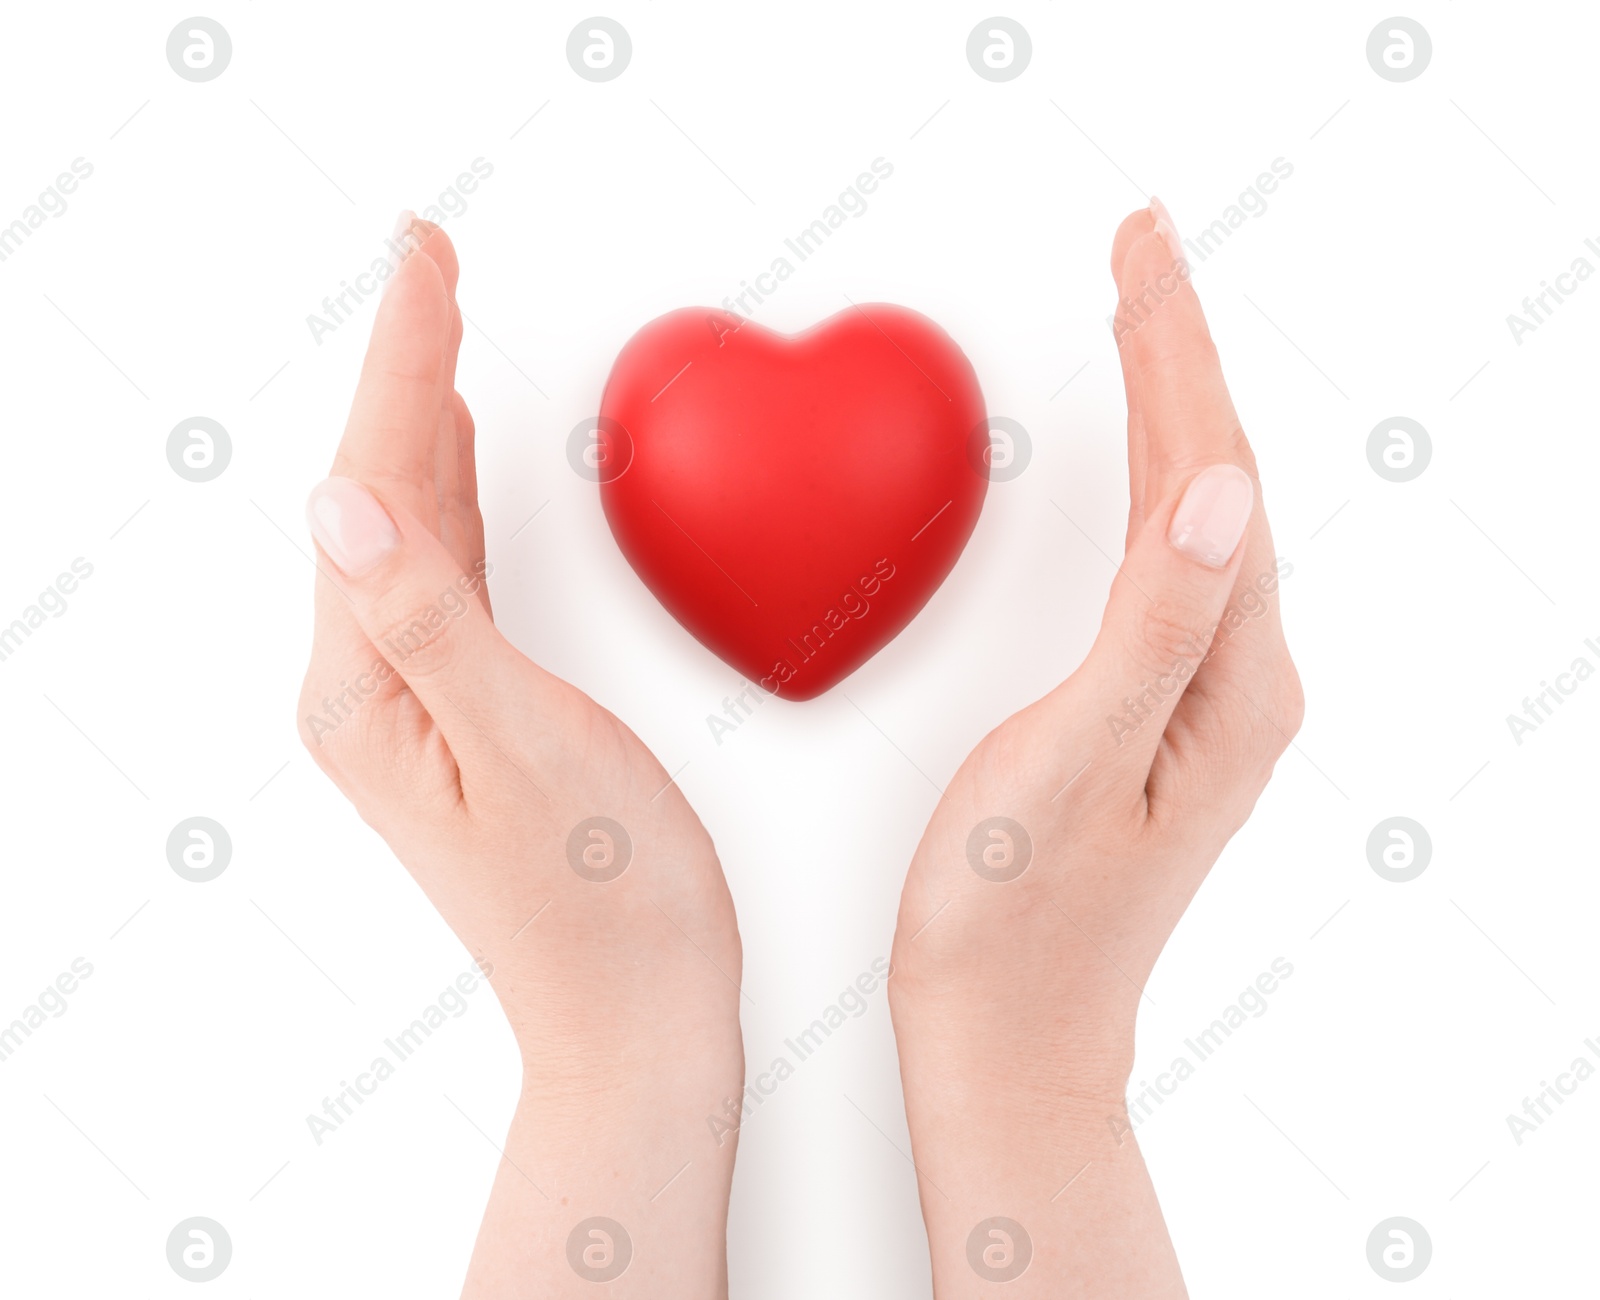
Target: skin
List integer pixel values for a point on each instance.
(1013, 1001)
(1014, 1005)
(476, 766)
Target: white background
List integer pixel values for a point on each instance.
(1377, 283)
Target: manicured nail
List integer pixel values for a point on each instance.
(350, 525)
(404, 240)
(1211, 518)
(402, 228)
(1166, 229)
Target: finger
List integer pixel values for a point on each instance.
(1240, 711)
(391, 436)
(341, 651)
(447, 488)
(413, 233)
(1175, 382)
(466, 452)
(468, 511)
(460, 524)
(456, 527)
(1165, 604)
(1245, 703)
(446, 455)
(435, 244)
(1245, 700)
(1188, 416)
(416, 606)
(1134, 227)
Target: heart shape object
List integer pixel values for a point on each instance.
(793, 501)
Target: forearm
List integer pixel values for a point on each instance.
(614, 1172)
(618, 1193)
(1014, 1108)
(1083, 1216)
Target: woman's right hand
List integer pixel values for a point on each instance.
(1068, 845)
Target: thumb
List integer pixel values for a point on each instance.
(416, 606)
(1166, 602)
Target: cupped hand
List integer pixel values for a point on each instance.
(1070, 842)
(545, 833)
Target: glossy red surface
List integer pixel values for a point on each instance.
(793, 501)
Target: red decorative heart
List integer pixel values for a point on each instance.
(793, 501)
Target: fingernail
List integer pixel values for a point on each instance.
(1166, 229)
(350, 525)
(403, 241)
(403, 225)
(1211, 518)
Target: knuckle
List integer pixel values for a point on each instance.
(387, 759)
(403, 752)
(1274, 721)
(317, 724)
(1166, 632)
(1173, 356)
(1239, 450)
(1225, 445)
(426, 640)
(334, 713)
(466, 427)
(1288, 706)
(1009, 752)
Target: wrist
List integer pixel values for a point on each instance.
(1067, 1045)
(580, 1200)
